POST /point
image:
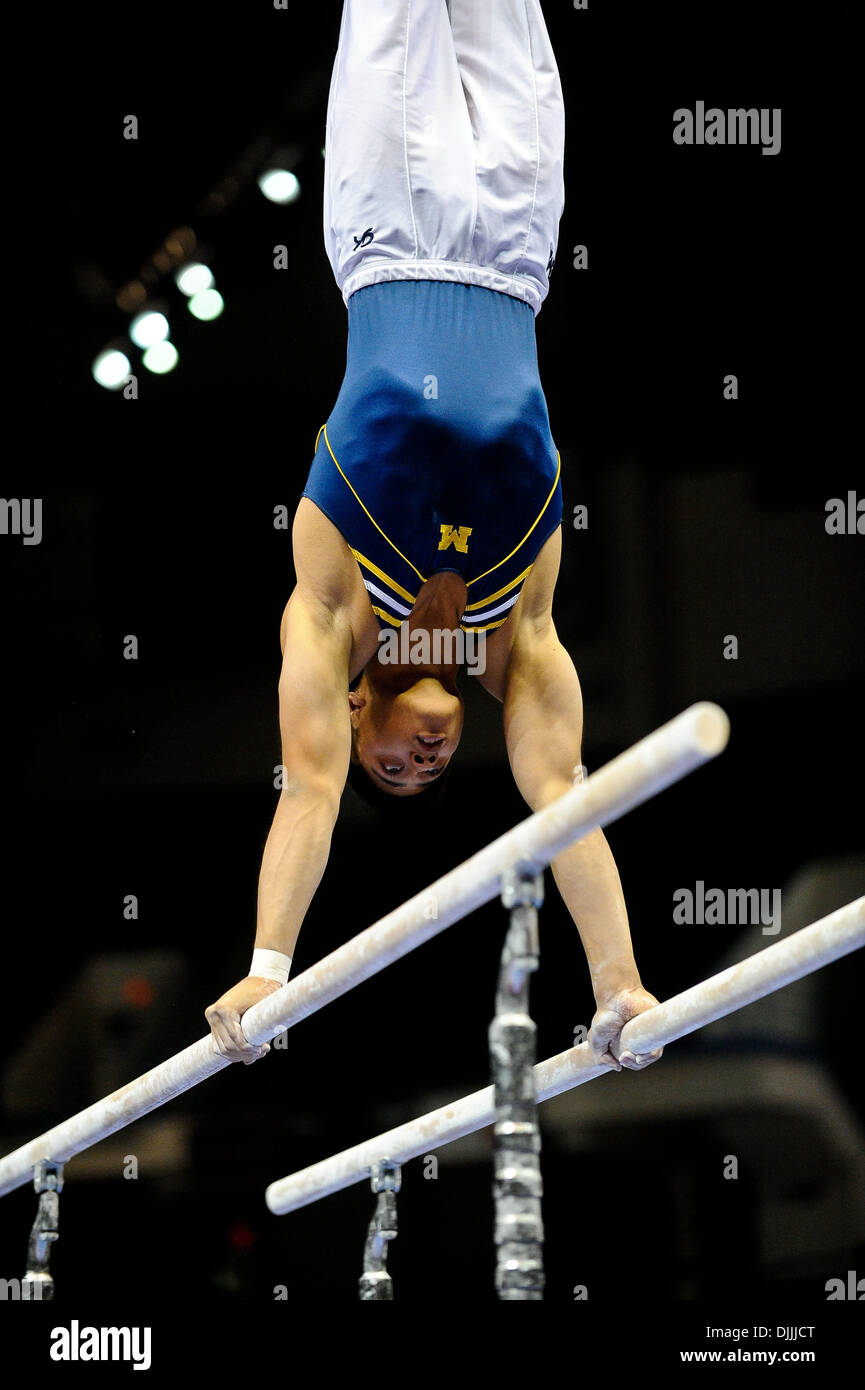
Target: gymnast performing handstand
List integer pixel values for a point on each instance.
(433, 503)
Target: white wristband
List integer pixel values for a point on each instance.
(270, 965)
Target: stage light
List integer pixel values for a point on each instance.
(131, 296)
(279, 185)
(206, 305)
(193, 278)
(111, 368)
(160, 358)
(148, 327)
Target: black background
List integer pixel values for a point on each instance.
(706, 517)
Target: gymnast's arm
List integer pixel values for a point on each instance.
(543, 721)
(316, 747)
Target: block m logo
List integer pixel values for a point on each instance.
(458, 536)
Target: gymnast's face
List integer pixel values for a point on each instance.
(404, 739)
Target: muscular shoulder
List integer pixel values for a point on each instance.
(536, 597)
(329, 581)
(325, 567)
(532, 612)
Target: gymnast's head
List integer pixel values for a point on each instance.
(405, 728)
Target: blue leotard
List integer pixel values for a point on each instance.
(438, 453)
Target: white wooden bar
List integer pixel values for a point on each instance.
(663, 757)
(770, 969)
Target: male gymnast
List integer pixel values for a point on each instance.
(434, 497)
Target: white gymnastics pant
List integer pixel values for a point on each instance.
(444, 146)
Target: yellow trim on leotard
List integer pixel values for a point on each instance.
(528, 533)
(482, 602)
(362, 560)
(486, 626)
(394, 622)
(404, 592)
(366, 509)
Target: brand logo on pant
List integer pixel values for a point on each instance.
(458, 536)
(364, 239)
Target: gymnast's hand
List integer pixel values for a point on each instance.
(224, 1018)
(607, 1024)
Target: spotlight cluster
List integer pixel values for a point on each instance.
(149, 328)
